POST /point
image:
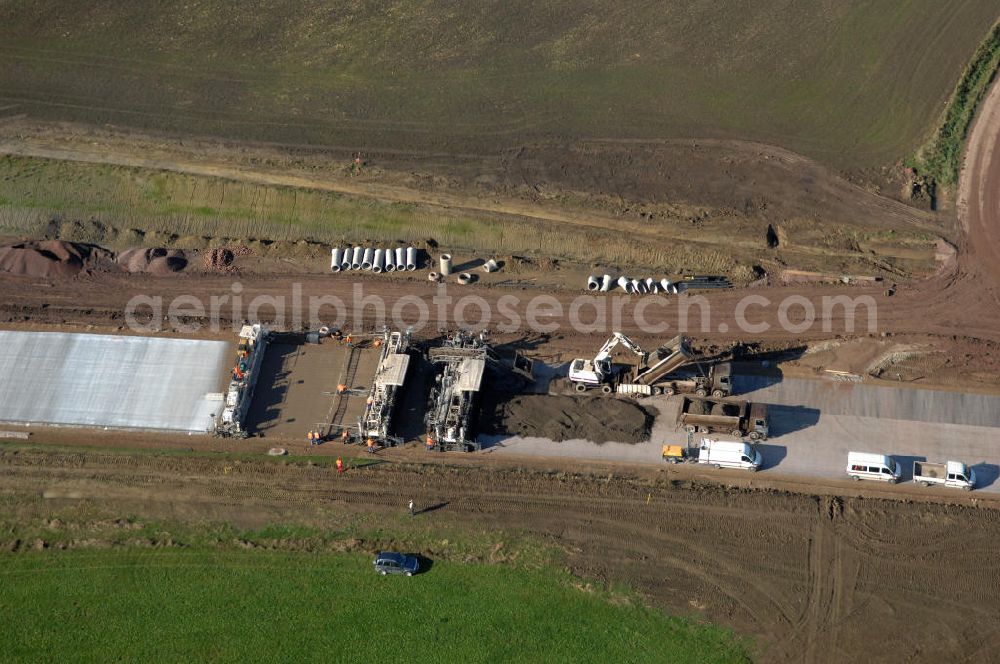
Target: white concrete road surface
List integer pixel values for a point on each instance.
(98, 380)
(815, 422)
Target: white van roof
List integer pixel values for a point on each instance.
(867, 458)
(725, 445)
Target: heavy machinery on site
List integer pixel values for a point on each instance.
(246, 370)
(461, 363)
(717, 453)
(390, 375)
(666, 371)
(734, 417)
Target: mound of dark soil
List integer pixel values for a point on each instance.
(158, 261)
(50, 258)
(221, 259)
(598, 419)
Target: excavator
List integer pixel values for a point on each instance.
(655, 375)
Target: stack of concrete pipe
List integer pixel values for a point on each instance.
(606, 283)
(373, 259)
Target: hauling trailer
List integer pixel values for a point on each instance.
(734, 417)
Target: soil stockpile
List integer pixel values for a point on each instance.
(157, 261)
(597, 419)
(50, 258)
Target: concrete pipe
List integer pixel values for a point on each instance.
(357, 255)
(624, 283)
(464, 278)
(607, 283)
(368, 258)
(400, 258)
(336, 257)
(490, 266)
(345, 259)
(592, 283)
(638, 286)
(378, 261)
(665, 285)
(324, 331)
(411, 258)
(651, 285)
(390, 260)
(445, 265)
(433, 276)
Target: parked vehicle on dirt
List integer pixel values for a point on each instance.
(672, 369)
(717, 453)
(388, 562)
(951, 473)
(733, 417)
(868, 466)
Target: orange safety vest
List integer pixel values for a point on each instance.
(340, 464)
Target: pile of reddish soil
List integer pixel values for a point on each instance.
(221, 259)
(598, 419)
(158, 261)
(50, 258)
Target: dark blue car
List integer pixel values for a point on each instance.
(387, 562)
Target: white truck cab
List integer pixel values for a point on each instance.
(867, 466)
(729, 454)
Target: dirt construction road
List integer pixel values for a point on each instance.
(826, 580)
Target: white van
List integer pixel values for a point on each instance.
(865, 466)
(728, 454)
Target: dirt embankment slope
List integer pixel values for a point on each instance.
(811, 579)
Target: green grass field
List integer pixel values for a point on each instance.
(854, 84)
(253, 606)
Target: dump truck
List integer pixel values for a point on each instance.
(951, 473)
(662, 372)
(734, 417)
(717, 453)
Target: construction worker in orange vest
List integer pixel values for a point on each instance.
(430, 443)
(340, 465)
(371, 446)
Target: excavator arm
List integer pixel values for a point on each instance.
(613, 343)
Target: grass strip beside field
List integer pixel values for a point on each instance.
(942, 159)
(147, 207)
(225, 606)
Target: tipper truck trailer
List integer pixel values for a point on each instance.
(733, 417)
